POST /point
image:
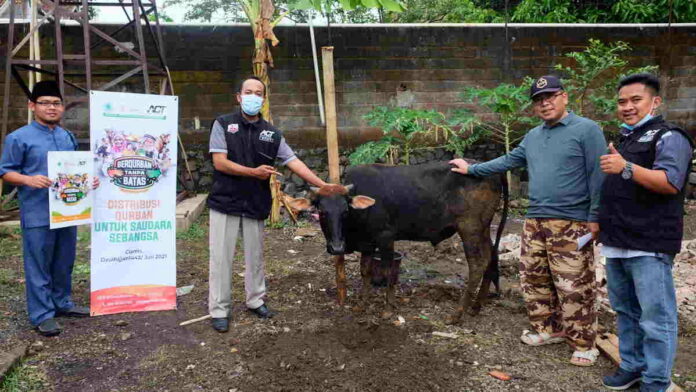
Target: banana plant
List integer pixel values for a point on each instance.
(261, 18)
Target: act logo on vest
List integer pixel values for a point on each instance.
(648, 136)
(233, 128)
(266, 136)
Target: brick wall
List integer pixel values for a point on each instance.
(422, 67)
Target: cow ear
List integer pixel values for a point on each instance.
(361, 202)
(300, 204)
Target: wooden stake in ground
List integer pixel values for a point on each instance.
(187, 322)
(275, 199)
(330, 105)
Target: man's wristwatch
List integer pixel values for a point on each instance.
(627, 172)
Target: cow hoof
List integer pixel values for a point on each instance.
(473, 312)
(454, 319)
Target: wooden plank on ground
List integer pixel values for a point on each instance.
(10, 359)
(605, 343)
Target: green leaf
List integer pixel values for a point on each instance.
(391, 5)
(369, 3)
(347, 5)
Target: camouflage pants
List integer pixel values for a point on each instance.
(558, 281)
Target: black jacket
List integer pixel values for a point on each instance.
(630, 215)
(251, 145)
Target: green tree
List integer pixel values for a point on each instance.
(408, 130)
(592, 77)
(447, 11)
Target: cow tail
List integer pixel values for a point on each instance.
(492, 273)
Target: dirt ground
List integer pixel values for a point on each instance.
(312, 344)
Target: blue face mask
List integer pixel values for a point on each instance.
(251, 104)
(645, 119)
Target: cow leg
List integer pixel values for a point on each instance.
(386, 271)
(341, 291)
(478, 255)
(366, 262)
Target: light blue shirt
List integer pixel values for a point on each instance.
(26, 152)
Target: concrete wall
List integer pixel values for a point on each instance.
(421, 67)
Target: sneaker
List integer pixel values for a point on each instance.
(621, 380)
(49, 327)
(658, 387)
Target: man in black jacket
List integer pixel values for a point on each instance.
(244, 148)
(641, 227)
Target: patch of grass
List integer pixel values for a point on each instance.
(24, 378)
(195, 232)
(10, 243)
(84, 236)
(280, 225)
(81, 269)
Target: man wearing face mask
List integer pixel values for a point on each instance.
(244, 148)
(641, 221)
(557, 278)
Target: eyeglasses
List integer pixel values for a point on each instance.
(56, 104)
(541, 98)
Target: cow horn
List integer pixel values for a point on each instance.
(314, 189)
(349, 187)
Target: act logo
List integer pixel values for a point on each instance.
(156, 109)
(266, 136)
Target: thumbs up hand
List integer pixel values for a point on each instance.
(612, 163)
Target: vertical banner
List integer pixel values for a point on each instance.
(134, 145)
(70, 196)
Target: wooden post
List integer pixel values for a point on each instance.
(330, 105)
(340, 263)
(8, 76)
(275, 199)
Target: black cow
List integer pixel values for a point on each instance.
(426, 202)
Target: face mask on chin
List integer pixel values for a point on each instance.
(645, 119)
(251, 104)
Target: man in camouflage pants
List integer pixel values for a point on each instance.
(557, 278)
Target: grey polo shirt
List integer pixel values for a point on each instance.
(219, 144)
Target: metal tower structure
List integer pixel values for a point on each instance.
(78, 70)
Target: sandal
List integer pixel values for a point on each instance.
(589, 357)
(539, 339)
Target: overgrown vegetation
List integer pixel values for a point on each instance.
(548, 11)
(409, 130)
(463, 11)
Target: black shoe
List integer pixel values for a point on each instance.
(621, 380)
(221, 324)
(75, 311)
(263, 312)
(49, 327)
